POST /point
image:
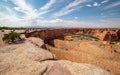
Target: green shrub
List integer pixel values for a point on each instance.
(12, 37)
(112, 42)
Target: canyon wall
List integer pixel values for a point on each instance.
(102, 34)
(47, 35)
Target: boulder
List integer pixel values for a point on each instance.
(64, 67)
(37, 41)
(82, 68)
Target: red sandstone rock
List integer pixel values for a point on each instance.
(102, 34)
(68, 38)
(118, 34)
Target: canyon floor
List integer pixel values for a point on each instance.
(75, 54)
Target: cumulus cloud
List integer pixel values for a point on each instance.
(96, 4)
(56, 21)
(75, 17)
(69, 8)
(89, 5)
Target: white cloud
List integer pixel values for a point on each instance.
(48, 5)
(105, 1)
(62, 23)
(56, 21)
(89, 5)
(25, 8)
(96, 4)
(10, 17)
(75, 17)
(114, 4)
(9, 14)
(69, 8)
(29, 11)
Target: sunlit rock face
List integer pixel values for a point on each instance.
(47, 35)
(107, 35)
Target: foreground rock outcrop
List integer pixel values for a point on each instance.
(29, 59)
(1, 41)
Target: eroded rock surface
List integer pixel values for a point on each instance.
(29, 59)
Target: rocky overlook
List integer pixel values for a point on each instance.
(29, 58)
(63, 52)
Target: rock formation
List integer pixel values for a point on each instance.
(107, 35)
(118, 34)
(102, 34)
(29, 59)
(84, 57)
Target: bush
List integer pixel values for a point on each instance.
(12, 37)
(112, 42)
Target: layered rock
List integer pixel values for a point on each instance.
(103, 34)
(107, 35)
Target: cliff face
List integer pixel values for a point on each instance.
(118, 34)
(107, 35)
(47, 35)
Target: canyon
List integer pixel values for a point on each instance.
(62, 52)
(49, 34)
(99, 47)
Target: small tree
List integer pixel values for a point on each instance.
(11, 37)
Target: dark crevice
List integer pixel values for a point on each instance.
(44, 71)
(48, 60)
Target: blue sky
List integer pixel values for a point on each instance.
(60, 13)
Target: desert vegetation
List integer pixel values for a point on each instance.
(12, 37)
(83, 36)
